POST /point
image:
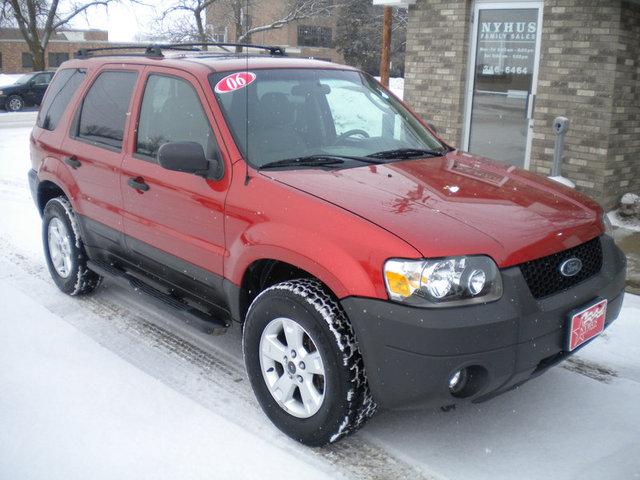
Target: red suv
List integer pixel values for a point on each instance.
(367, 262)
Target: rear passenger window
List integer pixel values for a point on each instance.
(171, 112)
(58, 96)
(105, 108)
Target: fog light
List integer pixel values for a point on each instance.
(458, 381)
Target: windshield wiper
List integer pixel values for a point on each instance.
(408, 153)
(315, 161)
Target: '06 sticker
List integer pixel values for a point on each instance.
(234, 82)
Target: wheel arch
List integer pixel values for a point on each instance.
(265, 272)
(55, 179)
(46, 191)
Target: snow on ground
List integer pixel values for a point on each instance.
(73, 409)
(8, 79)
(108, 386)
(616, 220)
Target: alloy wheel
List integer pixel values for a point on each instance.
(292, 367)
(15, 104)
(59, 243)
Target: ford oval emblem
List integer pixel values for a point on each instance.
(571, 267)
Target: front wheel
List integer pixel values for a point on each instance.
(304, 363)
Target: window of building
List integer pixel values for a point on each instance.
(27, 60)
(105, 107)
(57, 58)
(59, 94)
(314, 36)
(171, 112)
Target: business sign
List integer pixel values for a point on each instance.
(507, 41)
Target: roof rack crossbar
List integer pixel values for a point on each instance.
(273, 50)
(155, 50)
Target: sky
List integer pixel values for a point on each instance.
(122, 20)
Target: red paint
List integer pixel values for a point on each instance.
(340, 226)
(234, 82)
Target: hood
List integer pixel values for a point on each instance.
(459, 204)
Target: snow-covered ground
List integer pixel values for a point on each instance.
(8, 79)
(108, 386)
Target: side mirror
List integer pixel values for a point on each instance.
(185, 157)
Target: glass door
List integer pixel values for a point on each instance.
(502, 80)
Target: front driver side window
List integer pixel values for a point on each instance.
(171, 112)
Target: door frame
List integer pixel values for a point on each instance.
(468, 100)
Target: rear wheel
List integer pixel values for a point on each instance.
(304, 363)
(14, 103)
(64, 251)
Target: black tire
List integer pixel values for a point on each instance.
(347, 402)
(14, 103)
(79, 279)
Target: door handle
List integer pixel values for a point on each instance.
(72, 161)
(138, 184)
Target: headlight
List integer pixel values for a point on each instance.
(1, 92)
(608, 228)
(443, 282)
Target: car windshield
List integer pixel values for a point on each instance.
(24, 79)
(284, 114)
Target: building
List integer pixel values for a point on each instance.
(493, 75)
(16, 58)
(310, 37)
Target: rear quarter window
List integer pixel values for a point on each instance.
(105, 108)
(59, 95)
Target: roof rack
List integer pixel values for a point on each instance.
(155, 50)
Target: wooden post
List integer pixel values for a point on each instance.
(385, 56)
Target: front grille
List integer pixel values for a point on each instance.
(543, 275)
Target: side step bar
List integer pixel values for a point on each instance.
(190, 315)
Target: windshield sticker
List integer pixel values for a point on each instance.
(234, 82)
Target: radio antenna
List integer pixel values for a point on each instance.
(246, 104)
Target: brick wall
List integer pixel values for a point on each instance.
(264, 12)
(436, 61)
(624, 142)
(11, 51)
(578, 66)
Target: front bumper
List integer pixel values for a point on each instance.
(410, 353)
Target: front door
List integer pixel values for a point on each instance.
(173, 219)
(502, 80)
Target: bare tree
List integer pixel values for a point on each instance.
(38, 20)
(187, 19)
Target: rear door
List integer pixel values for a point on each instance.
(93, 152)
(178, 220)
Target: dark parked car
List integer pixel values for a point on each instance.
(27, 91)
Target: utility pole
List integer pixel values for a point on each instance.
(386, 46)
